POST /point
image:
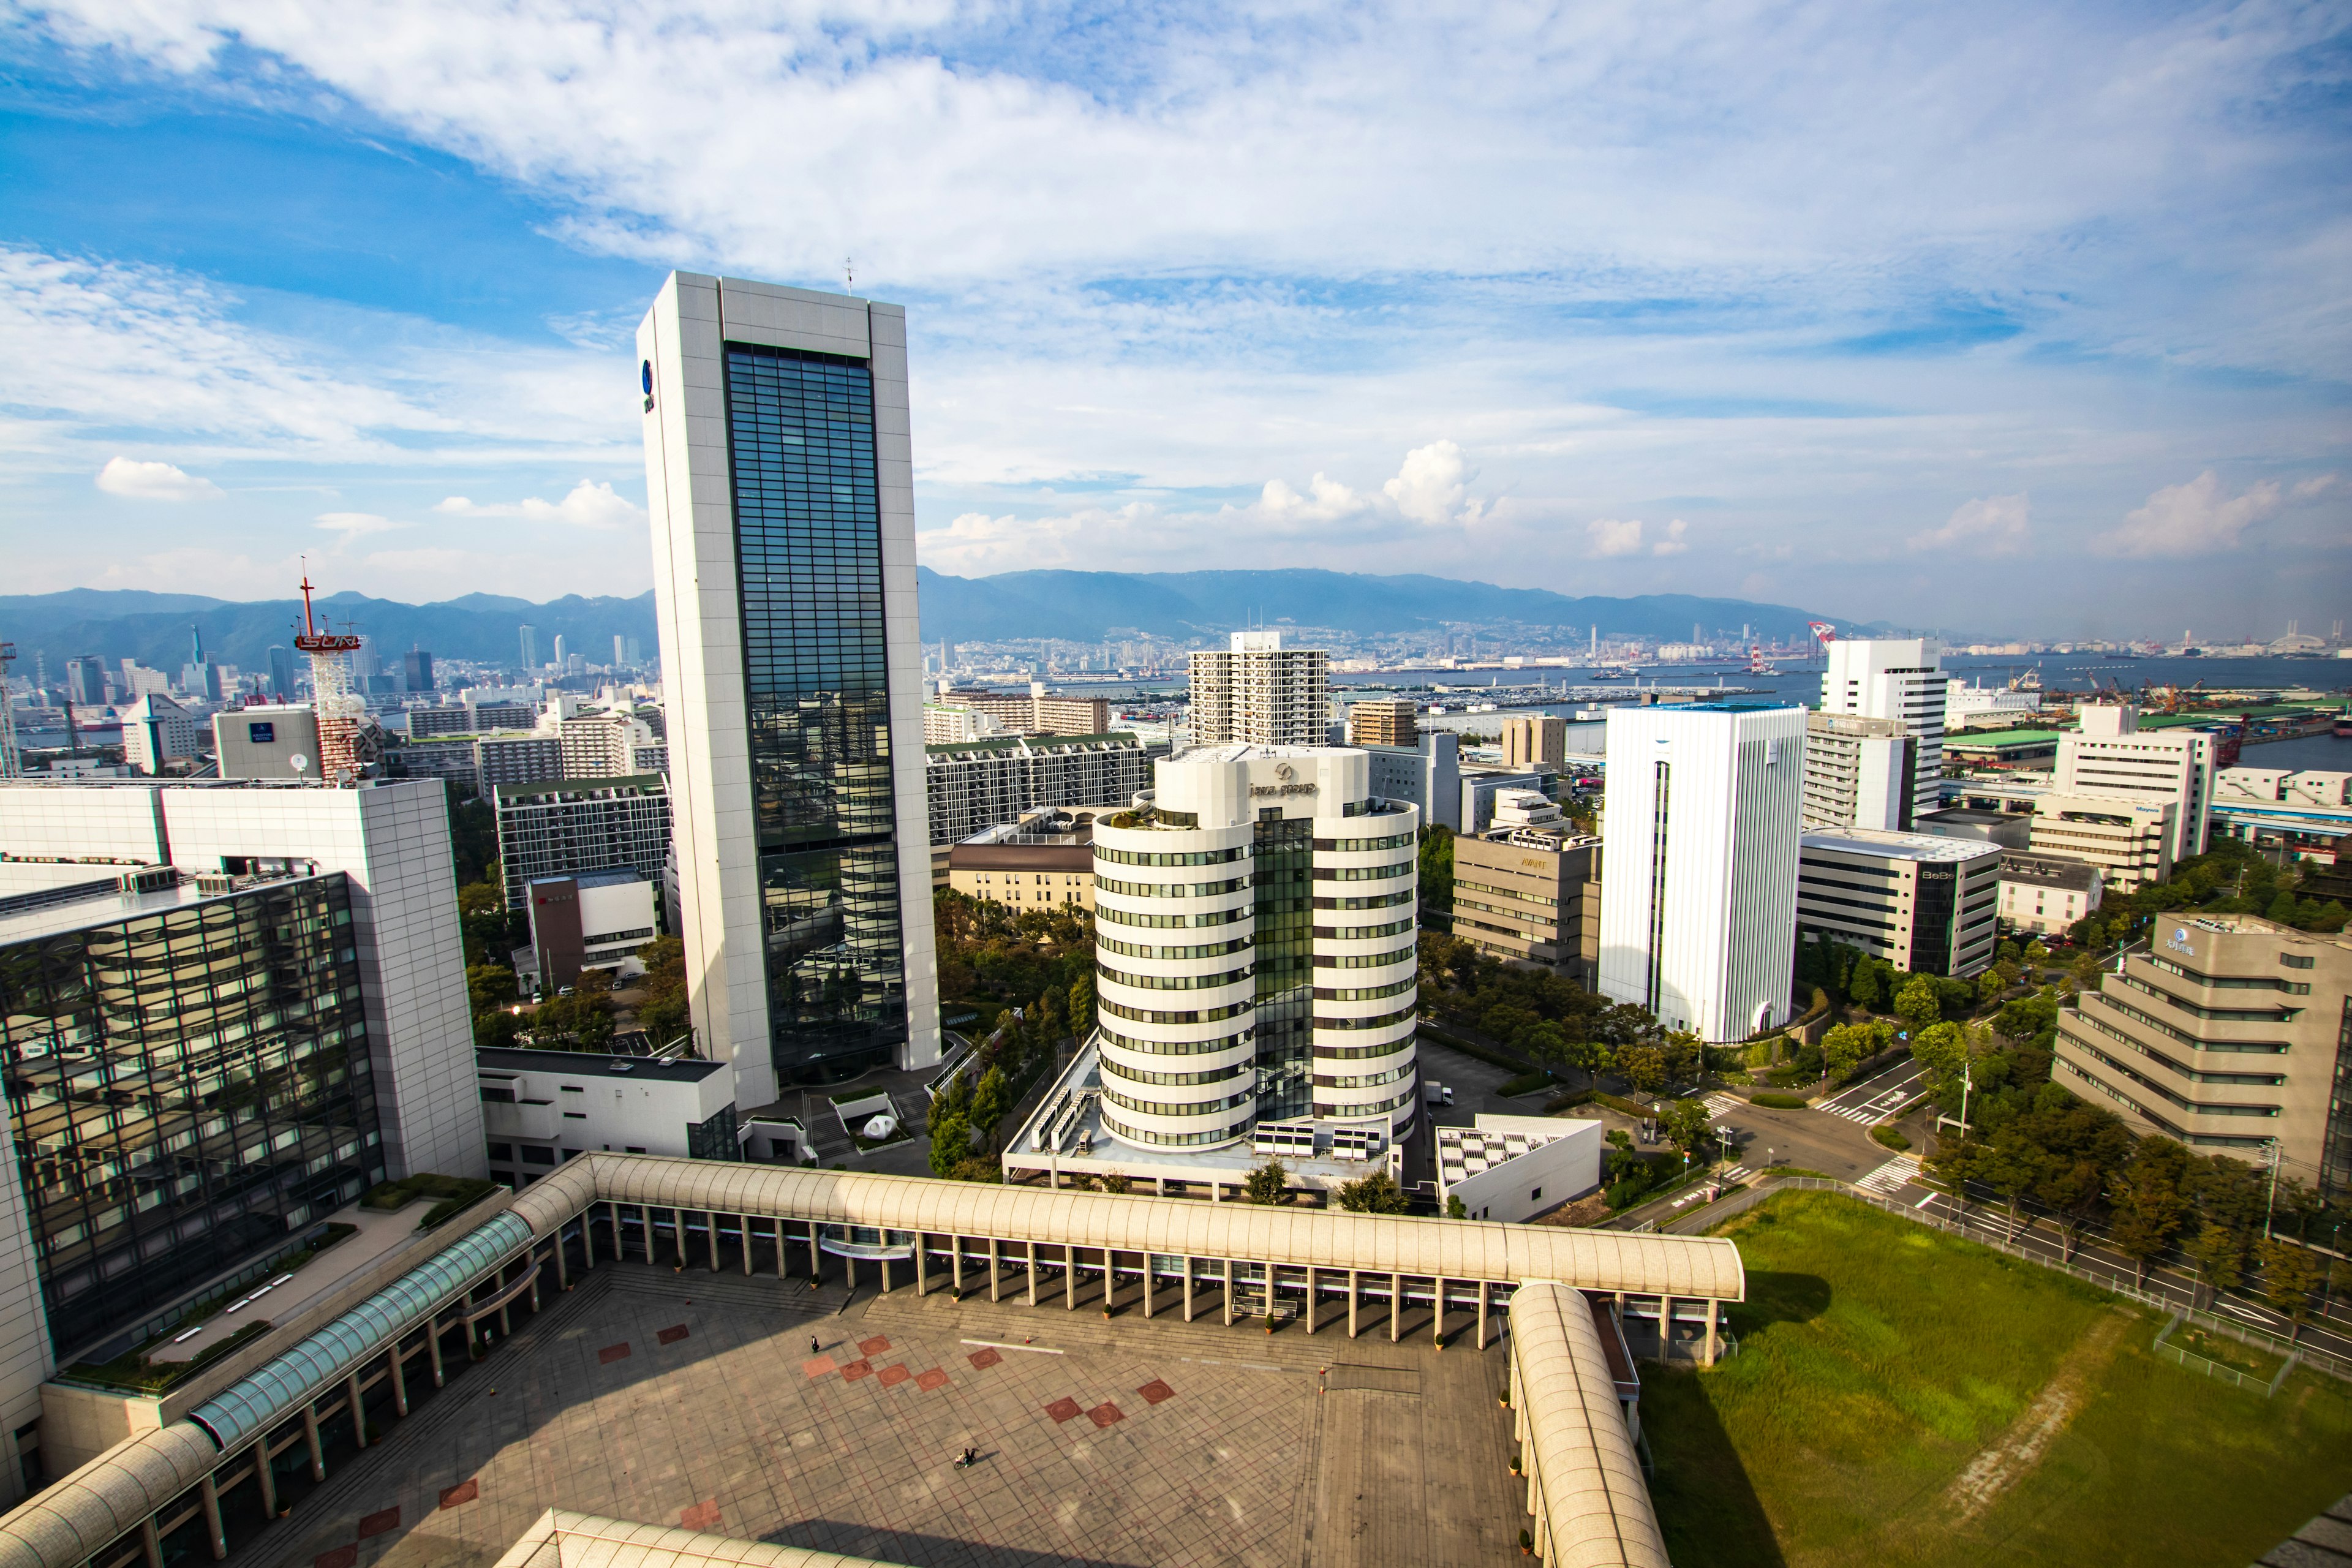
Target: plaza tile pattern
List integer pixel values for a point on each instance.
(736, 1428)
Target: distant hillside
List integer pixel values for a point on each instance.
(1083, 606)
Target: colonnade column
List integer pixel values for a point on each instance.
(562, 1265)
(1310, 1298)
(1070, 1275)
(265, 1477)
(955, 1264)
(1437, 1304)
(210, 1494)
(1353, 1297)
(1712, 1307)
(399, 1382)
(1229, 1292)
(1482, 1313)
(588, 1233)
(433, 1348)
(995, 1274)
(1146, 1285)
(1033, 1273)
(816, 1261)
(922, 1265)
(311, 1435)
(1188, 1287)
(358, 1410)
(1396, 1306)
(745, 1221)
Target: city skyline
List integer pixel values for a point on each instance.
(1935, 311)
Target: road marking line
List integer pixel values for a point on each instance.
(1930, 1198)
(1001, 1345)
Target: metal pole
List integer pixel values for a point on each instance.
(210, 1494)
(1310, 1298)
(1396, 1306)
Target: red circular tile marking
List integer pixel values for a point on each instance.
(857, 1369)
(341, 1557)
(985, 1358)
(464, 1491)
(818, 1366)
(378, 1522)
(873, 1346)
(1155, 1390)
(1105, 1412)
(1063, 1409)
(611, 1354)
(927, 1381)
(671, 1336)
(703, 1515)
(894, 1374)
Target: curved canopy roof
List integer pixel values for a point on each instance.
(1587, 1479)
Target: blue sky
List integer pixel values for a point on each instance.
(1996, 318)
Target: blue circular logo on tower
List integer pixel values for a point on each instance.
(645, 375)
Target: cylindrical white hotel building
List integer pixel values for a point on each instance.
(1255, 955)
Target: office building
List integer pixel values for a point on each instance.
(417, 670)
(1928, 905)
(1256, 693)
(779, 477)
(1428, 775)
(1537, 738)
(2043, 894)
(157, 732)
(528, 640)
(281, 672)
(1893, 677)
(1965, 705)
(566, 829)
(635, 654)
(620, 650)
(562, 654)
(2131, 841)
(1531, 894)
(86, 680)
(191, 1084)
(590, 920)
(2010, 829)
(1035, 712)
(1382, 721)
(262, 742)
(976, 784)
(425, 724)
(542, 1108)
(1861, 773)
(1255, 956)
(1698, 888)
(2227, 1033)
(2110, 754)
(1046, 860)
(1479, 789)
(511, 758)
(601, 745)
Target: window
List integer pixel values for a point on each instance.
(533, 1155)
(502, 1152)
(575, 1116)
(1536, 1197)
(498, 1094)
(2294, 961)
(630, 1149)
(571, 1088)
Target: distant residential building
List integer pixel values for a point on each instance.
(2042, 894)
(261, 742)
(1860, 771)
(1428, 775)
(2003, 749)
(1479, 787)
(2131, 841)
(157, 732)
(2110, 754)
(2283, 786)
(424, 723)
(417, 670)
(947, 724)
(1257, 693)
(975, 784)
(1035, 712)
(449, 757)
(1928, 905)
(601, 745)
(1382, 721)
(1537, 738)
(620, 651)
(516, 759)
(1531, 895)
(1698, 894)
(1893, 677)
(560, 828)
(1046, 860)
(541, 1107)
(2225, 1033)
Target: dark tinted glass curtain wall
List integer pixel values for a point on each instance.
(808, 536)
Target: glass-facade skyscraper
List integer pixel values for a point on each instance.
(780, 480)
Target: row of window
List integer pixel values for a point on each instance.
(1173, 922)
(1505, 892)
(1173, 1047)
(1365, 960)
(1197, 949)
(1193, 1015)
(2262, 1079)
(1356, 1053)
(1171, 857)
(1367, 1080)
(1174, 981)
(1351, 845)
(1171, 889)
(1363, 873)
(1361, 933)
(1368, 901)
(1362, 993)
(1126, 1074)
(1380, 1021)
(1176, 1107)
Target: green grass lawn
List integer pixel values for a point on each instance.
(1882, 1362)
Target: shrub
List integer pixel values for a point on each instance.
(1891, 1138)
(1780, 1102)
(1525, 1083)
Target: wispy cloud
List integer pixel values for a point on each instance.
(154, 481)
(589, 505)
(1998, 525)
(2193, 519)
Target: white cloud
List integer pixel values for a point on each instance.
(355, 525)
(1326, 500)
(1996, 525)
(590, 505)
(154, 481)
(1611, 537)
(1674, 543)
(2192, 519)
(1433, 486)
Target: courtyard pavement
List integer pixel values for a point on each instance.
(696, 1398)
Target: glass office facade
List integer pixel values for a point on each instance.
(1281, 865)
(188, 1085)
(808, 537)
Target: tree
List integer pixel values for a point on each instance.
(951, 1144)
(2290, 1274)
(1268, 1184)
(1684, 1125)
(2035, 952)
(2215, 1251)
(1844, 1048)
(1644, 1067)
(1917, 1003)
(2148, 1209)
(2072, 1189)
(495, 1027)
(1455, 1208)
(1082, 1005)
(2011, 1165)
(1863, 985)
(1375, 1194)
(489, 987)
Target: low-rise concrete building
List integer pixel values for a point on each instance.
(1531, 895)
(542, 1108)
(2131, 841)
(1513, 1168)
(1925, 904)
(2227, 1032)
(2040, 894)
(1043, 861)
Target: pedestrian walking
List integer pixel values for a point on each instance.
(812, 1344)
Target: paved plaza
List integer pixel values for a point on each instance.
(695, 1398)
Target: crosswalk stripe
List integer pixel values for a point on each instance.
(1889, 1178)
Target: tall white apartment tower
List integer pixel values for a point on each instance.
(2111, 755)
(780, 476)
(1900, 679)
(1698, 886)
(1257, 693)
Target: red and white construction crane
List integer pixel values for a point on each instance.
(338, 707)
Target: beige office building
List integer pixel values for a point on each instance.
(1531, 895)
(1539, 738)
(1923, 902)
(2040, 894)
(1046, 860)
(1257, 693)
(2131, 841)
(2229, 1034)
(2111, 755)
(1384, 721)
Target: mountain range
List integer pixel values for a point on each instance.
(1080, 606)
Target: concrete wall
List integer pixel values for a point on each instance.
(1542, 1178)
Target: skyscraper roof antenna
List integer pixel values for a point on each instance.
(848, 275)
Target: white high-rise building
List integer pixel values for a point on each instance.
(779, 477)
(1900, 679)
(2110, 754)
(1257, 693)
(1254, 957)
(1860, 772)
(1698, 888)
